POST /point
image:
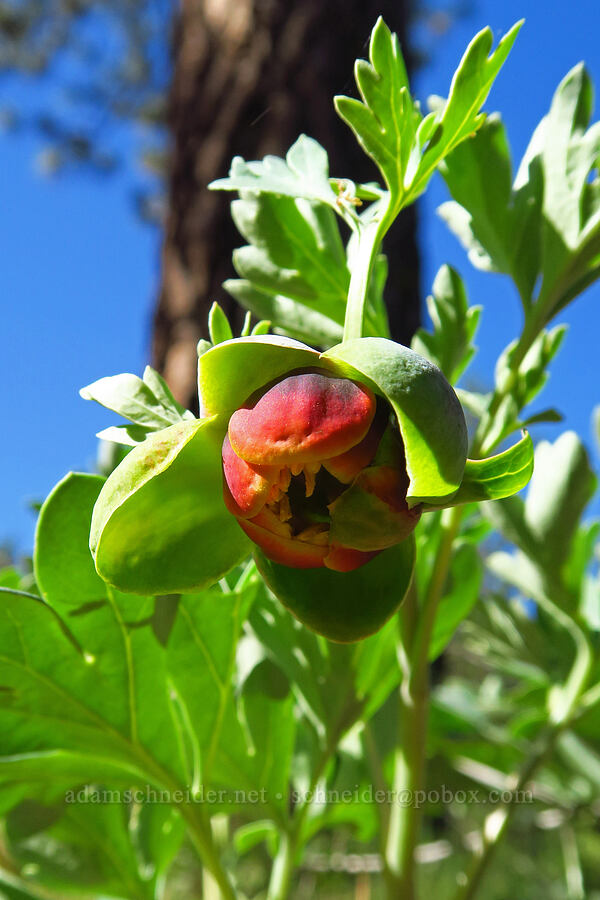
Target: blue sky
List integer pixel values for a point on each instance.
(79, 273)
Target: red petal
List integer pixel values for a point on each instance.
(344, 559)
(246, 488)
(348, 465)
(285, 550)
(304, 418)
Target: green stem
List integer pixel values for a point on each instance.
(219, 827)
(290, 837)
(409, 761)
(202, 839)
(369, 239)
(283, 866)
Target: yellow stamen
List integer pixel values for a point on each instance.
(285, 511)
(315, 534)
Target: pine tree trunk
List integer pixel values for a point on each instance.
(249, 77)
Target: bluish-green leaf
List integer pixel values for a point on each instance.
(147, 402)
(562, 485)
(450, 345)
(498, 476)
(460, 116)
(304, 173)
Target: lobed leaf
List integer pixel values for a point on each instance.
(450, 345)
(304, 173)
(147, 402)
(496, 477)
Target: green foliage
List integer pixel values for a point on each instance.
(450, 345)
(168, 662)
(545, 229)
(147, 402)
(388, 124)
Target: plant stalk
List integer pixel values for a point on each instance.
(369, 239)
(409, 762)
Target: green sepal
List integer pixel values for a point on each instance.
(429, 414)
(497, 476)
(230, 372)
(160, 525)
(361, 520)
(344, 606)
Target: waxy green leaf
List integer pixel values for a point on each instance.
(146, 402)
(64, 567)
(496, 477)
(160, 524)
(450, 345)
(304, 173)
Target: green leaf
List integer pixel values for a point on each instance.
(146, 402)
(231, 372)
(430, 417)
(80, 845)
(126, 435)
(466, 576)
(521, 386)
(450, 345)
(498, 224)
(562, 485)
(386, 121)
(218, 325)
(242, 744)
(328, 679)
(546, 228)
(460, 117)
(294, 252)
(496, 477)
(160, 506)
(304, 173)
(64, 567)
(335, 604)
(101, 704)
(295, 319)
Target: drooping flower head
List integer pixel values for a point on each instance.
(302, 478)
(319, 464)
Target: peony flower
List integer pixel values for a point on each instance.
(319, 464)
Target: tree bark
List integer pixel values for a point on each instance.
(249, 77)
